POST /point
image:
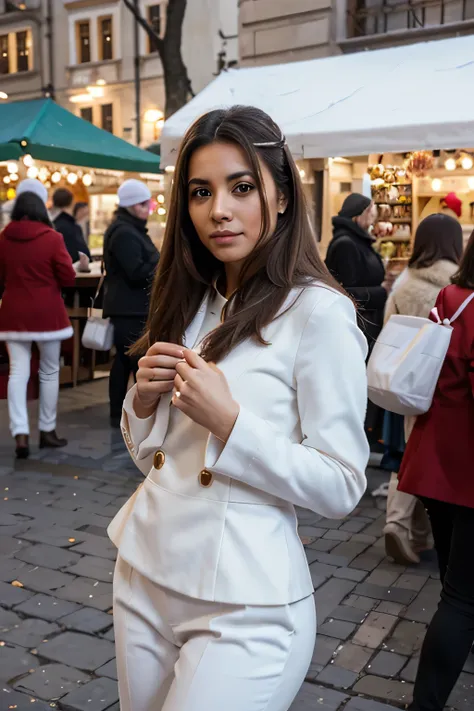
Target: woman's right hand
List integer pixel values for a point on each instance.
(155, 376)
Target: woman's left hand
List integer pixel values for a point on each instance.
(203, 394)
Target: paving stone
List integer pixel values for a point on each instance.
(92, 567)
(337, 676)
(11, 595)
(87, 620)
(110, 635)
(387, 689)
(360, 602)
(350, 574)
(320, 573)
(51, 682)
(337, 561)
(10, 569)
(109, 670)
(374, 630)
(462, 697)
(407, 637)
(329, 595)
(97, 546)
(9, 546)
(8, 619)
(356, 525)
(88, 591)
(363, 538)
(337, 628)
(358, 703)
(324, 650)
(349, 550)
(337, 535)
(59, 536)
(390, 608)
(368, 560)
(29, 633)
(387, 664)
(323, 545)
(312, 696)
(14, 662)
(349, 614)
(10, 699)
(330, 523)
(352, 657)
(411, 582)
(312, 531)
(409, 672)
(48, 556)
(98, 694)
(424, 606)
(380, 592)
(78, 650)
(42, 579)
(97, 530)
(385, 578)
(47, 607)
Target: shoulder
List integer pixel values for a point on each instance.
(318, 303)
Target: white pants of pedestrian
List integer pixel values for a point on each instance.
(176, 653)
(19, 353)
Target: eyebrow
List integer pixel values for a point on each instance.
(230, 178)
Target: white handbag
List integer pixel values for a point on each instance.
(98, 334)
(406, 361)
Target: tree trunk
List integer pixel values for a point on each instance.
(177, 84)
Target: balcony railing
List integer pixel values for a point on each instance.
(379, 17)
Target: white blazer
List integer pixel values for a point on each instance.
(226, 531)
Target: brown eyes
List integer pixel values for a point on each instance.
(240, 189)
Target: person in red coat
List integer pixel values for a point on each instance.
(438, 467)
(34, 266)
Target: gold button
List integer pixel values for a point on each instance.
(159, 459)
(205, 478)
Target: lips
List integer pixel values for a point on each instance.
(223, 233)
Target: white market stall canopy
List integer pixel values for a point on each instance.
(417, 96)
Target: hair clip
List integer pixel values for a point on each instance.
(272, 144)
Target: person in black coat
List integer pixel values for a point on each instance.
(66, 224)
(352, 260)
(130, 260)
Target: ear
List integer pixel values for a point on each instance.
(282, 204)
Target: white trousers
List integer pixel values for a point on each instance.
(175, 653)
(19, 353)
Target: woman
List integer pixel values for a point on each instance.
(437, 252)
(353, 261)
(130, 259)
(34, 266)
(213, 603)
(438, 468)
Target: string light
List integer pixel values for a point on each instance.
(467, 162)
(6, 179)
(436, 185)
(32, 172)
(161, 199)
(28, 160)
(161, 211)
(450, 164)
(87, 180)
(12, 167)
(72, 178)
(56, 177)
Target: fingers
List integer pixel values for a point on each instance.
(194, 360)
(166, 349)
(154, 374)
(158, 387)
(185, 370)
(158, 361)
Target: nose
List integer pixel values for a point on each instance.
(221, 210)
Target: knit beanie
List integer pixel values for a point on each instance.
(31, 185)
(133, 192)
(354, 205)
(452, 202)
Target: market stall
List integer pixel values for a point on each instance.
(40, 139)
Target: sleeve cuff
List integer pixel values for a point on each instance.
(133, 428)
(236, 456)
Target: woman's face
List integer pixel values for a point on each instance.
(368, 217)
(141, 211)
(223, 201)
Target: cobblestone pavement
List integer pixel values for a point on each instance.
(56, 564)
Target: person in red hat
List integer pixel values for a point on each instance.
(453, 203)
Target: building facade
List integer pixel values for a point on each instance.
(83, 52)
(275, 31)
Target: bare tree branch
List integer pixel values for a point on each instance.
(156, 39)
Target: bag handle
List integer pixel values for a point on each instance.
(100, 284)
(465, 303)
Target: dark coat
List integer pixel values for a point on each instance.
(34, 266)
(355, 264)
(73, 236)
(130, 259)
(438, 461)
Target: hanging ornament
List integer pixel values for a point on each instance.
(418, 163)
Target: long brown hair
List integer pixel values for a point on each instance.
(280, 261)
(438, 237)
(464, 277)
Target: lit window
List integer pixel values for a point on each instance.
(4, 56)
(105, 37)
(83, 42)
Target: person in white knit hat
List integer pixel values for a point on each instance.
(30, 185)
(130, 259)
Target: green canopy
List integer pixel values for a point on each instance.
(48, 132)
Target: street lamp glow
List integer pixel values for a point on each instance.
(3, 95)
(153, 115)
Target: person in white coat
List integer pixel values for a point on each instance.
(437, 252)
(213, 599)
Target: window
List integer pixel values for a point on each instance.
(4, 56)
(107, 117)
(105, 38)
(83, 42)
(156, 20)
(22, 52)
(86, 113)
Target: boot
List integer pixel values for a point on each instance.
(22, 448)
(51, 439)
(398, 545)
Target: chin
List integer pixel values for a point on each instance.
(228, 255)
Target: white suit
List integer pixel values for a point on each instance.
(216, 524)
